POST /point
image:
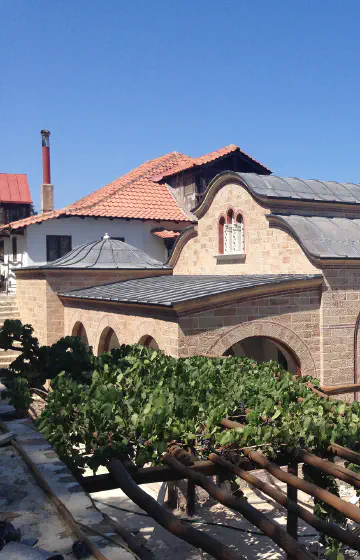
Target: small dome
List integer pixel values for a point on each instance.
(107, 254)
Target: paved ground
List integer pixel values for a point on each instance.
(33, 513)
(29, 509)
(245, 538)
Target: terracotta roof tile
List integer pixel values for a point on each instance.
(135, 195)
(166, 233)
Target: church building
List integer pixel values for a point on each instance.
(268, 267)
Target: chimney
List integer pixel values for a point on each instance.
(47, 189)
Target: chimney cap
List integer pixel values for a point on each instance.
(45, 132)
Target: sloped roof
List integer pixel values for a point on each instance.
(167, 291)
(323, 237)
(134, 196)
(105, 253)
(138, 194)
(272, 186)
(208, 158)
(14, 188)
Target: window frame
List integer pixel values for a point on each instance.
(58, 247)
(231, 237)
(14, 248)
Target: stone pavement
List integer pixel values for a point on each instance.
(33, 513)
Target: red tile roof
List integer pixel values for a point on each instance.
(136, 195)
(166, 233)
(14, 188)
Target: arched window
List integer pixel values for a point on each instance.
(233, 233)
(221, 234)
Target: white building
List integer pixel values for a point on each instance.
(147, 208)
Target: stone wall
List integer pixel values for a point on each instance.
(339, 313)
(268, 250)
(39, 304)
(292, 319)
(128, 326)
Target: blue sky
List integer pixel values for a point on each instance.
(120, 82)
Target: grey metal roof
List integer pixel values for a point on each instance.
(322, 237)
(106, 253)
(272, 186)
(170, 290)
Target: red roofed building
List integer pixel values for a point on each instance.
(155, 197)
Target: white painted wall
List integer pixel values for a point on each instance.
(8, 267)
(32, 245)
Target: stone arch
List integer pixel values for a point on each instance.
(148, 329)
(79, 330)
(269, 329)
(107, 324)
(149, 342)
(77, 318)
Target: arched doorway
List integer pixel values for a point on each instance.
(149, 341)
(264, 349)
(80, 331)
(108, 340)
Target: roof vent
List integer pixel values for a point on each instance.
(106, 236)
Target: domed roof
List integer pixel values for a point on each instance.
(106, 253)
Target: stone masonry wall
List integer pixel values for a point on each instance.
(128, 327)
(290, 318)
(31, 301)
(268, 250)
(40, 306)
(339, 313)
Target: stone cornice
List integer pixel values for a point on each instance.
(273, 203)
(193, 306)
(185, 236)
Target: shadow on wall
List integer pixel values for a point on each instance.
(108, 340)
(263, 349)
(149, 341)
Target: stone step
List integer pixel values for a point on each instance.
(7, 360)
(9, 314)
(5, 303)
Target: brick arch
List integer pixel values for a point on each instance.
(271, 330)
(107, 321)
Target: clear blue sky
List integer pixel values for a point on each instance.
(120, 82)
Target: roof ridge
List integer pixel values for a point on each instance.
(144, 175)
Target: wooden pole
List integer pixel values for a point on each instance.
(166, 519)
(340, 472)
(330, 529)
(269, 527)
(349, 510)
(344, 453)
(341, 389)
(292, 516)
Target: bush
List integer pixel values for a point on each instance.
(138, 400)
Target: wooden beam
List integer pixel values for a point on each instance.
(340, 389)
(330, 529)
(185, 532)
(349, 510)
(269, 527)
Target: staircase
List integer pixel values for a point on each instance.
(8, 310)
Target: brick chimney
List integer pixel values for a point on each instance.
(47, 189)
